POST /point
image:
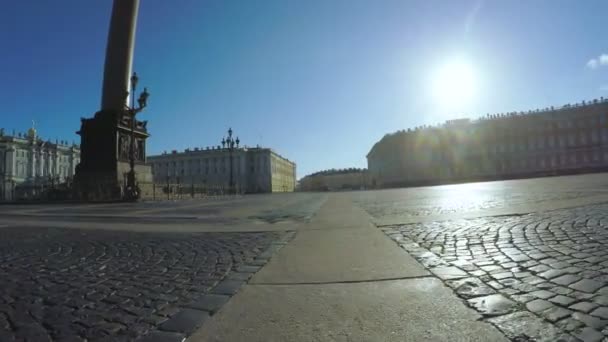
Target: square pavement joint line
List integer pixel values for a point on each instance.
(192, 316)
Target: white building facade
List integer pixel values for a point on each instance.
(29, 165)
(254, 170)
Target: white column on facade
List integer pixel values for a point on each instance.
(42, 155)
(72, 163)
(52, 163)
(49, 163)
(56, 163)
(10, 159)
(32, 162)
(10, 171)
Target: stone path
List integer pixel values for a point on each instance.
(76, 285)
(540, 276)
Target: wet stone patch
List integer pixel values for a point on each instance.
(537, 277)
(79, 285)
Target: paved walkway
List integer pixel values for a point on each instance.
(518, 260)
(342, 279)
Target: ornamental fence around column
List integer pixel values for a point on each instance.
(175, 191)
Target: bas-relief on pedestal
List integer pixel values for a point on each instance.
(105, 138)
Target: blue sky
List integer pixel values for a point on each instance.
(320, 81)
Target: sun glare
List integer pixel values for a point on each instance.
(454, 83)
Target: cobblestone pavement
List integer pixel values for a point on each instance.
(540, 276)
(72, 285)
(450, 201)
(472, 197)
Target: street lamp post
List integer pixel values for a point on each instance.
(132, 191)
(231, 143)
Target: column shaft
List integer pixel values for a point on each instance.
(119, 54)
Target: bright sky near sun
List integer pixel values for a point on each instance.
(320, 81)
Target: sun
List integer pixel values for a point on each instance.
(453, 83)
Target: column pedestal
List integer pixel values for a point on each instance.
(104, 165)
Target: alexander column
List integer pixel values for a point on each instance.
(113, 142)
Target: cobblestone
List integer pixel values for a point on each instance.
(554, 264)
(61, 284)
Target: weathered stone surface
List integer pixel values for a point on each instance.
(589, 335)
(447, 273)
(569, 324)
(525, 326)
(240, 276)
(228, 287)
(493, 305)
(185, 321)
(601, 312)
(552, 273)
(555, 314)
(584, 307)
(209, 302)
(587, 285)
(538, 305)
(562, 300)
(542, 294)
(470, 287)
(163, 336)
(591, 321)
(566, 279)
